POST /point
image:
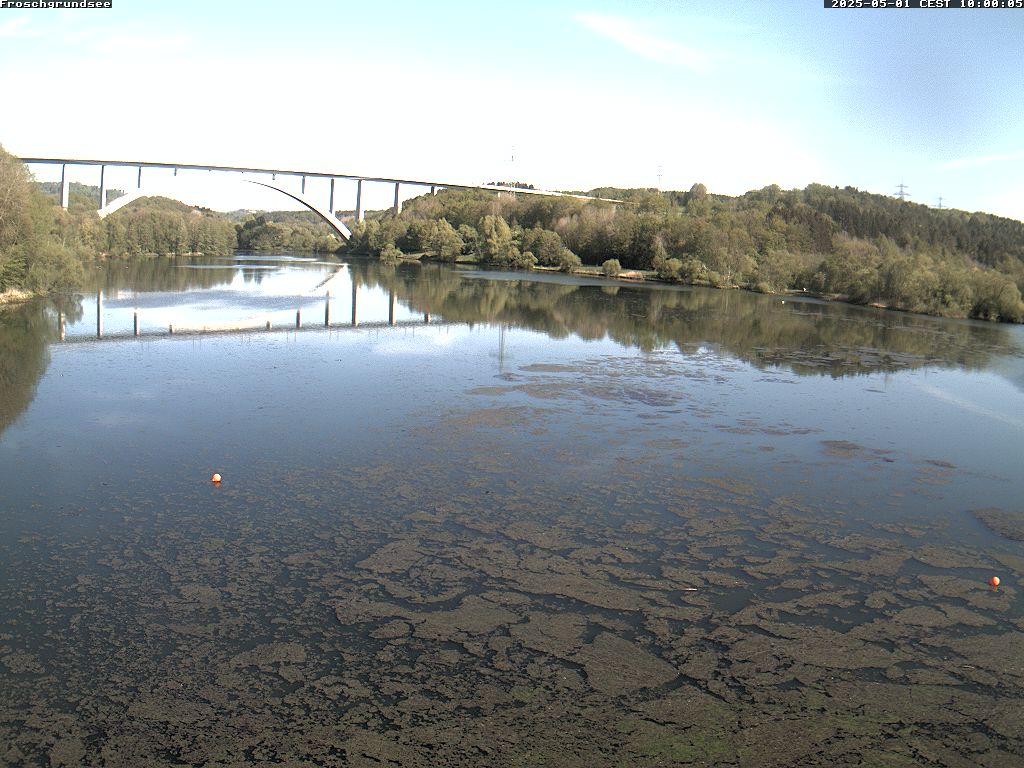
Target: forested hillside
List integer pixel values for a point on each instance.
(843, 243)
(292, 230)
(39, 252)
(839, 243)
(160, 226)
(44, 248)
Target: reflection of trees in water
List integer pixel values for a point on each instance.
(161, 273)
(253, 274)
(25, 332)
(806, 337)
(179, 273)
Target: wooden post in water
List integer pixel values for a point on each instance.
(355, 316)
(136, 322)
(99, 314)
(268, 325)
(298, 318)
(426, 318)
(391, 308)
(60, 321)
(327, 310)
(170, 329)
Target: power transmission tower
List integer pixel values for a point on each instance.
(901, 191)
(512, 169)
(940, 202)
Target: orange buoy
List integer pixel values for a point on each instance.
(994, 581)
(216, 478)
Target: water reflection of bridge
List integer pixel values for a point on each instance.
(251, 325)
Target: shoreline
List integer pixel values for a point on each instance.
(634, 276)
(15, 296)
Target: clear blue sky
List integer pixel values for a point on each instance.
(571, 94)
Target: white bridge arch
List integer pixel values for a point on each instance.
(328, 216)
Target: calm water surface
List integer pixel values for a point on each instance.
(502, 519)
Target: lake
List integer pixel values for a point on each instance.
(503, 519)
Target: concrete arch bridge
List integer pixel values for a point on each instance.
(326, 212)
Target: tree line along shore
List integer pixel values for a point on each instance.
(839, 243)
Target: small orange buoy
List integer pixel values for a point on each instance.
(216, 478)
(994, 581)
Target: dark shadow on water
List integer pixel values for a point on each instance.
(25, 333)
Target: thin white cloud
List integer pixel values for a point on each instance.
(633, 38)
(78, 35)
(10, 28)
(974, 162)
(148, 45)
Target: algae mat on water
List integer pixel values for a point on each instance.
(608, 561)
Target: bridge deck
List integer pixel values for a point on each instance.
(308, 174)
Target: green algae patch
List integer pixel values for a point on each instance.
(1002, 522)
(568, 592)
(615, 666)
(523, 694)
(678, 747)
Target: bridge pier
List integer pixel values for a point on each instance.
(327, 310)
(355, 316)
(65, 187)
(391, 308)
(99, 314)
(330, 204)
(435, 187)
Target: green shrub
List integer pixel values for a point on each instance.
(568, 261)
(390, 254)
